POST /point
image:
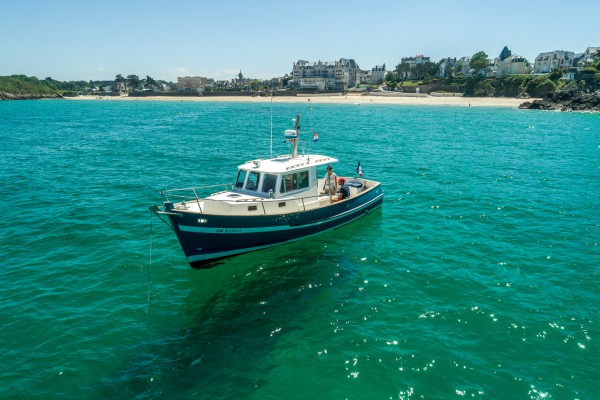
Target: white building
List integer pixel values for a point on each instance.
(588, 56)
(377, 75)
(513, 65)
(557, 59)
(325, 75)
(509, 64)
(446, 65)
(416, 60)
(465, 61)
(191, 84)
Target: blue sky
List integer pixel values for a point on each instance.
(93, 40)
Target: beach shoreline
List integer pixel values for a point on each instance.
(332, 99)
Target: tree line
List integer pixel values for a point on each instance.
(477, 84)
(430, 71)
(133, 82)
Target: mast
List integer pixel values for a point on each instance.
(271, 153)
(295, 140)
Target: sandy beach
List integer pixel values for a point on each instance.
(331, 99)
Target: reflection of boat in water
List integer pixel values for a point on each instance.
(272, 202)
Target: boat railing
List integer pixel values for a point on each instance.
(269, 206)
(195, 194)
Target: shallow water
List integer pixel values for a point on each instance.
(477, 278)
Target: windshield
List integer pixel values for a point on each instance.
(241, 177)
(253, 179)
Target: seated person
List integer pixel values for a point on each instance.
(343, 192)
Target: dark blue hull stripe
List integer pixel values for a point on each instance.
(234, 230)
(223, 254)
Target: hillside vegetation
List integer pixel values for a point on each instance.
(24, 87)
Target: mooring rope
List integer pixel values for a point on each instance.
(149, 265)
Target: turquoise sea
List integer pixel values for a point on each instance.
(478, 278)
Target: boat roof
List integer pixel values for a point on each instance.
(287, 163)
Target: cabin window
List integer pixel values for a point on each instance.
(295, 181)
(269, 182)
(302, 179)
(241, 177)
(286, 183)
(253, 179)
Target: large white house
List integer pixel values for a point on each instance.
(512, 65)
(324, 75)
(465, 61)
(588, 56)
(191, 83)
(377, 75)
(416, 60)
(557, 59)
(509, 64)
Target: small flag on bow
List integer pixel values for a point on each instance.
(315, 137)
(359, 169)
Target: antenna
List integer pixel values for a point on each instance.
(295, 140)
(271, 156)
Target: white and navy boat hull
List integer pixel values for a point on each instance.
(208, 238)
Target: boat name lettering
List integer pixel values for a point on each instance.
(228, 230)
(294, 166)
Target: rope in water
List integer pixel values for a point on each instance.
(149, 265)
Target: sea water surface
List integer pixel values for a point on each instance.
(477, 278)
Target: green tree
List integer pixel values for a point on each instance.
(555, 75)
(540, 86)
(402, 71)
(119, 80)
(459, 67)
(427, 69)
(391, 81)
(150, 82)
(479, 61)
(133, 81)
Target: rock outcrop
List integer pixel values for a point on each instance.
(11, 96)
(566, 100)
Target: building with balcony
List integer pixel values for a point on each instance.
(324, 75)
(416, 60)
(557, 59)
(191, 84)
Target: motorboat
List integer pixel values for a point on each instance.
(272, 202)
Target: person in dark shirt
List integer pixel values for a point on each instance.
(343, 192)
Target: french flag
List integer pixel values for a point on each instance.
(359, 169)
(315, 137)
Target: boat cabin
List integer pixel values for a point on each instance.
(281, 177)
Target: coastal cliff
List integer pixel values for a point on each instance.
(566, 100)
(562, 102)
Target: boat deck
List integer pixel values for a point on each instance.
(230, 203)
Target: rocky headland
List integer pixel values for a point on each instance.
(567, 99)
(28, 96)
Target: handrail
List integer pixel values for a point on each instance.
(194, 196)
(192, 190)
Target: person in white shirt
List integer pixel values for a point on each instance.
(330, 185)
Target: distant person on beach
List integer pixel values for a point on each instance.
(330, 185)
